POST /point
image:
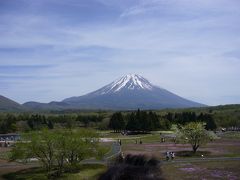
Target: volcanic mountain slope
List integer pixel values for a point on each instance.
(130, 92)
(7, 104)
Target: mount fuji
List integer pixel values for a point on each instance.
(127, 93)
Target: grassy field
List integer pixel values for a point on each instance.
(89, 172)
(30, 173)
(4, 153)
(230, 135)
(228, 145)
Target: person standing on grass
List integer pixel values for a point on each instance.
(122, 155)
(167, 155)
(172, 155)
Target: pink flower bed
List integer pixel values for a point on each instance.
(190, 168)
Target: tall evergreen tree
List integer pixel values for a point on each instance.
(132, 123)
(117, 122)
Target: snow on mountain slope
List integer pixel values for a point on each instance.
(128, 82)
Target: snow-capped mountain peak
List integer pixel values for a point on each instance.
(130, 82)
(128, 92)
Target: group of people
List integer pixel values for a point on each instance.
(170, 155)
(136, 141)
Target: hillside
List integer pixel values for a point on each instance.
(7, 104)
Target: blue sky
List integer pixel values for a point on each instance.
(51, 49)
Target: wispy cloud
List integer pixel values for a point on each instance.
(71, 47)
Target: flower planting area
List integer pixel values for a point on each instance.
(218, 159)
(202, 170)
(224, 146)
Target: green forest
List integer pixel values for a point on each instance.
(142, 121)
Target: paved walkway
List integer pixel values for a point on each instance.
(115, 150)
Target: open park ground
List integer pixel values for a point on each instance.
(220, 160)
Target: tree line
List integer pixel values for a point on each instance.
(141, 121)
(27, 122)
(133, 121)
(187, 117)
(144, 121)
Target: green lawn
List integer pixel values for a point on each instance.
(90, 172)
(5, 155)
(27, 174)
(231, 135)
